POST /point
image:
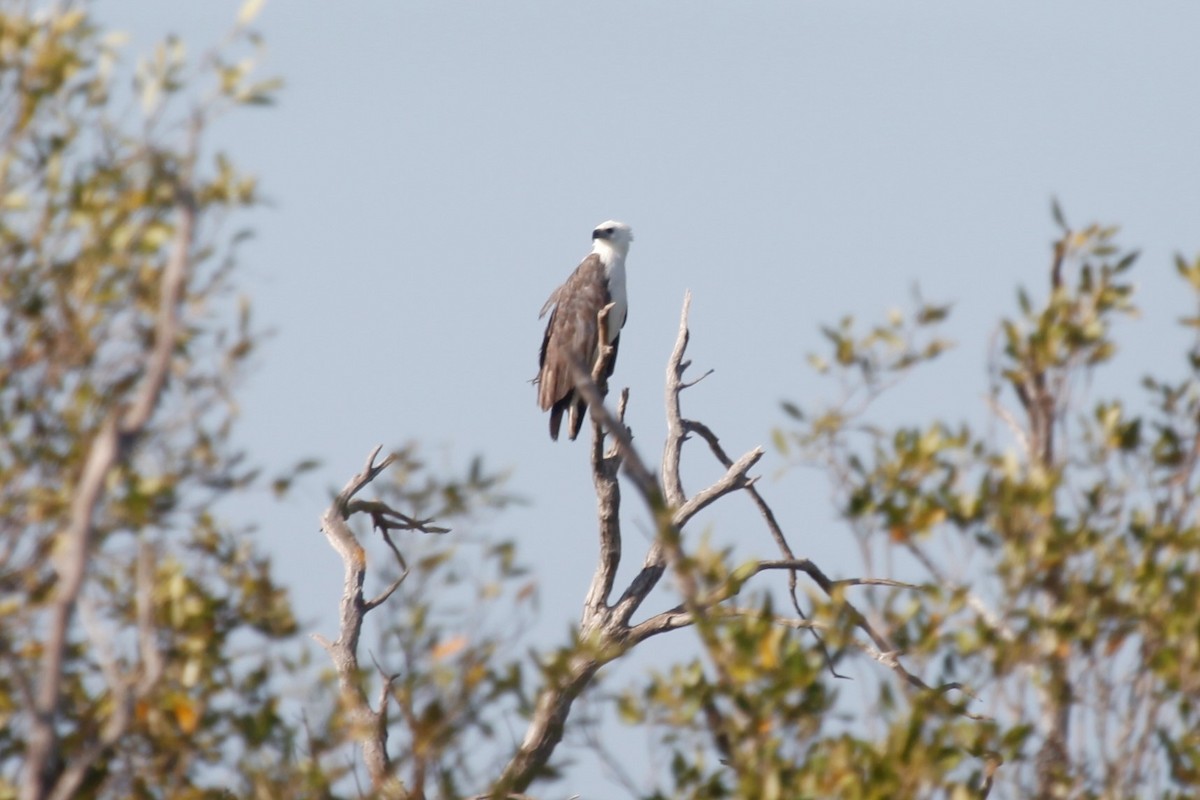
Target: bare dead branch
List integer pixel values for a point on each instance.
(643, 481)
(663, 503)
(608, 504)
(891, 660)
(623, 401)
(809, 568)
(672, 494)
(676, 432)
(368, 722)
(383, 596)
(368, 473)
(605, 466)
(760, 503)
(876, 582)
(881, 645)
(690, 384)
(733, 480)
(546, 725)
(386, 681)
(678, 617)
(642, 478)
(773, 526)
(385, 518)
(604, 352)
(606, 631)
(651, 573)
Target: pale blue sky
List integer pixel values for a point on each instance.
(435, 170)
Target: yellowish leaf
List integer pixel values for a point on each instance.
(250, 10)
(186, 715)
(449, 647)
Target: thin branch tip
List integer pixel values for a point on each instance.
(690, 384)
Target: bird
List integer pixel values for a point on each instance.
(572, 332)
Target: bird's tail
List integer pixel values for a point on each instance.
(578, 409)
(556, 412)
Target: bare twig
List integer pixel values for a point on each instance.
(676, 433)
(679, 617)
(734, 479)
(383, 596)
(772, 525)
(385, 518)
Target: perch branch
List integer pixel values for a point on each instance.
(554, 701)
(605, 466)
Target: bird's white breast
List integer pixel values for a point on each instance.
(614, 270)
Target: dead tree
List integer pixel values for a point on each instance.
(606, 629)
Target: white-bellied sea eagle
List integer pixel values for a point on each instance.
(572, 333)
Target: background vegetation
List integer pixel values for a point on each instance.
(1026, 617)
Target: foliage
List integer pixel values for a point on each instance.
(174, 678)
(1057, 560)
(110, 234)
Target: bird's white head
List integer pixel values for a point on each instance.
(612, 236)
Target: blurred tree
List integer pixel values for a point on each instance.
(121, 593)
(1056, 554)
(140, 635)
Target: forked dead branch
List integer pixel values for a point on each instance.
(370, 723)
